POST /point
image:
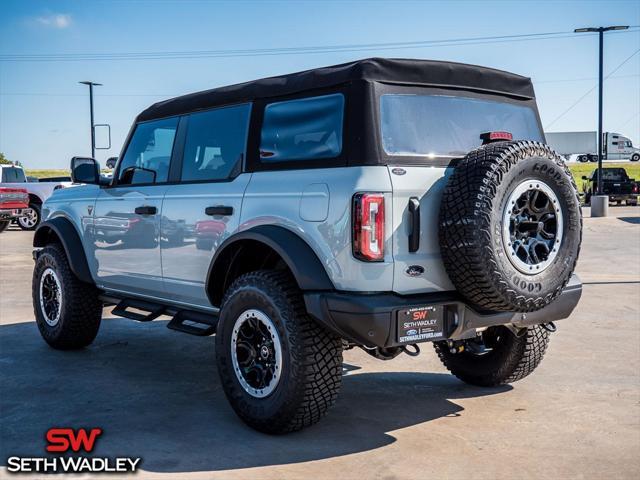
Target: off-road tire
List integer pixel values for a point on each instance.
(81, 310)
(4, 224)
(37, 208)
(312, 357)
(471, 216)
(511, 361)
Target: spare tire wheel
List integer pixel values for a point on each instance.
(510, 226)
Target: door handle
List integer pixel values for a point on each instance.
(414, 224)
(146, 210)
(219, 210)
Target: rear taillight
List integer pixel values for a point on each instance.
(368, 226)
(635, 188)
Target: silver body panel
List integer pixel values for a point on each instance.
(167, 255)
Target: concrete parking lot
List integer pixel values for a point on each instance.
(156, 394)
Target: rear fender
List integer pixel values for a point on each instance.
(299, 257)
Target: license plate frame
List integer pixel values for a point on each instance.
(420, 324)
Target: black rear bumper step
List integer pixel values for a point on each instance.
(372, 320)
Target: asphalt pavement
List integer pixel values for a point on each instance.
(156, 394)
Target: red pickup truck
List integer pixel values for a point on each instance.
(13, 203)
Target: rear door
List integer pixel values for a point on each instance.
(126, 223)
(203, 208)
(416, 204)
(422, 132)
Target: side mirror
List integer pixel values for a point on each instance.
(111, 162)
(85, 170)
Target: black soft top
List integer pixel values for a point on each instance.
(385, 70)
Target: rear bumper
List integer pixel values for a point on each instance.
(614, 197)
(10, 213)
(371, 319)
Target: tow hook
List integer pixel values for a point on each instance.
(549, 327)
(412, 353)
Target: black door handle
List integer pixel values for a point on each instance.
(219, 210)
(414, 224)
(146, 210)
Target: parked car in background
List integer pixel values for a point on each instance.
(584, 146)
(13, 203)
(615, 183)
(13, 176)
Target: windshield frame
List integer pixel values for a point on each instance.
(381, 89)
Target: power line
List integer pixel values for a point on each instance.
(591, 90)
(47, 94)
(628, 121)
(170, 95)
(582, 79)
(191, 54)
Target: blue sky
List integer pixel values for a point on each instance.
(44, 112)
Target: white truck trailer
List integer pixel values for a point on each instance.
(584, 145)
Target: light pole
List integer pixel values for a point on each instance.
(600, 31)
(93, 129)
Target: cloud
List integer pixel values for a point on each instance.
(55, 20)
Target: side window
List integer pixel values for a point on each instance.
(216, 141)
(149, 153)
(302, 129)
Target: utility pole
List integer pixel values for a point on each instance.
(93, 128)
(600, 31)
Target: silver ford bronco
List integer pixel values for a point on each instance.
(378, 204)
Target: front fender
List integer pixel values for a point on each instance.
(62, 230)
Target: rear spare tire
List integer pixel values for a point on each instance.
(510, 226)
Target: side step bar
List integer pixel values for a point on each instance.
(154, 310)
(187, 321)
(194, 323)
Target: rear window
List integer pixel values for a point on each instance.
(612, 174)
(448, 126)
(13, 175)
(302, 129)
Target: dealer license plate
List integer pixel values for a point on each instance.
(421, 324)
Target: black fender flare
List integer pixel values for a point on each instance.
(62, 229)
(299, 257)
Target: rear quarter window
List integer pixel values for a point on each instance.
(302, 129)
